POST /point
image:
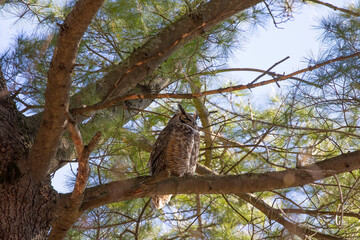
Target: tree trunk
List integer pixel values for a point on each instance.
(25, 209)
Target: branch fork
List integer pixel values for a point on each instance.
(68, 209)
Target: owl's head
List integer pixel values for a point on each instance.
(187, 118)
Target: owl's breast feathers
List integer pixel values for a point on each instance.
(176, 149)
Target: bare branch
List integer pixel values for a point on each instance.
(116, 100)
(82, 175)
(268, 70)
(145, 59)
(356, 14)
(319, 212)
(215, 184)
(273, 74)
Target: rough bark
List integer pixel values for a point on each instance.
(57, 91)
(25, 207)
(27, 200)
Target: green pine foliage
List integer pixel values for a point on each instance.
(303, 124)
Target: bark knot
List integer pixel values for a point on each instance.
(10, 173)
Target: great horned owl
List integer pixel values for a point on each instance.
(176, 150)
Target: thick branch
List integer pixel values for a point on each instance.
(274, 214)
(157, 49)
(58, 86)
(235, 184)
(139, 64)
(116, 100)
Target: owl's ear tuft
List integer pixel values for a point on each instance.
(196, 115)
(181, 109)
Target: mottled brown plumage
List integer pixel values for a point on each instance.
(176, 150)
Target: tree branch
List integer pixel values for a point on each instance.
(335, 8)
(157, 49)
(68, 211)
(57, 91)
(319, 212)
(82, 175)
(273, 74)
(115, 100)
(140, 64)
(246, 183)
(274, 214)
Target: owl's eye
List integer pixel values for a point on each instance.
(184, 118)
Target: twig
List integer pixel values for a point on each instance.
(318, 212)
(272, 16)
(233, 208)
(336, 8)
(341, 205)
(139, 219)
(264, 73)
(248, 153)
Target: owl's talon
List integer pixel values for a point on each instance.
(188, 174)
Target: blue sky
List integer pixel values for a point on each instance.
(297, 39)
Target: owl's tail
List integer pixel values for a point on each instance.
(159, 201)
